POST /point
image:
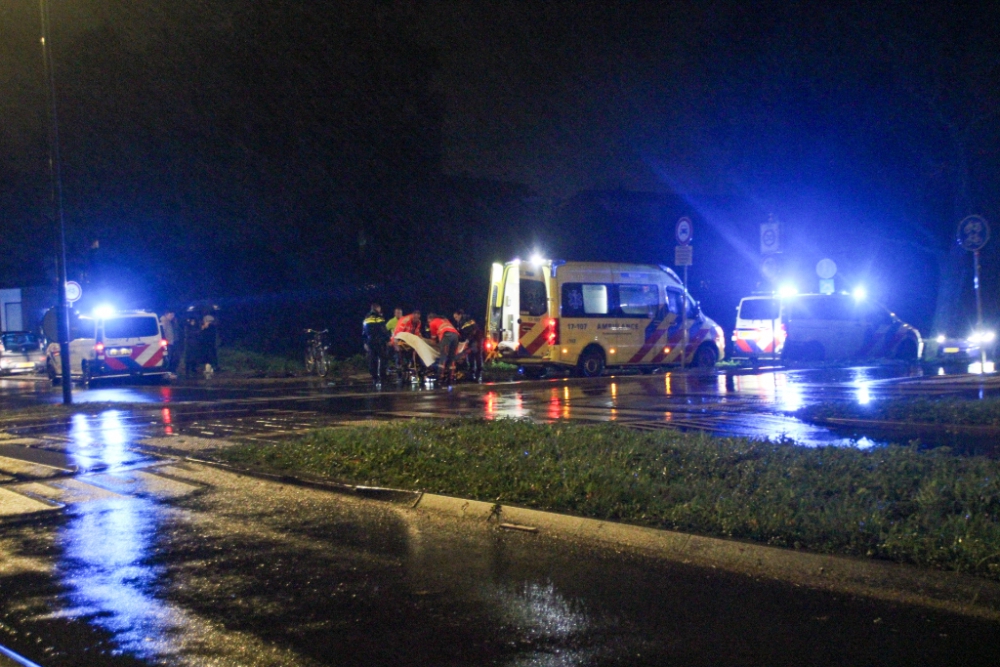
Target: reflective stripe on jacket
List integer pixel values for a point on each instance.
(373, 330)
(468, 330)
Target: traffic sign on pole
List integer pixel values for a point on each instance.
(684, 231)
(683, 255)
(826, 269)
(770, 241)
(973, 233)
(73, 291)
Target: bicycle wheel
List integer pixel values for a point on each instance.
(322, 364)
(310, 361)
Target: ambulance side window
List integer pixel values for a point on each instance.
(587, 300)
(674, 302)
(639, 300)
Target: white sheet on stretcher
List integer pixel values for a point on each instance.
(426, 349)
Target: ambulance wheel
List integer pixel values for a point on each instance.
(705, 357)
(591, 364)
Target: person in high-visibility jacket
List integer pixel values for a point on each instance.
(391, 324)
(376, 344)
(405, 356)
(470, 333)
(446, 335)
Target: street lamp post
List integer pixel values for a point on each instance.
(55, 172)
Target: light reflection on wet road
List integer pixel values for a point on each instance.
(755, 405)
(108, 540)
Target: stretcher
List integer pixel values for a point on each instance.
(426, 349)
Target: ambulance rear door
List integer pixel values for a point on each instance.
(510, 305)
(494, 305)
(533, 312)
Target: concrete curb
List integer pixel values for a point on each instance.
(948, 591)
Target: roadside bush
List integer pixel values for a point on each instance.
(242, 361)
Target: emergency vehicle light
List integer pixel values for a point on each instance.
(163, 342)
(552, 337)
(786, 291)
(104, 311)
(860, 293)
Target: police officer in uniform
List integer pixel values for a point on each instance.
(376, 344)
(472, 335)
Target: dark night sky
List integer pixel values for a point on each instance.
(337, 138)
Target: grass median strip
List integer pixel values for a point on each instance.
(956, 411)
(928, 508)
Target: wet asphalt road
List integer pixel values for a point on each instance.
(153, 562)
(111, 554)
(728, 403)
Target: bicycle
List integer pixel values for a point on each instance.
(318, 361)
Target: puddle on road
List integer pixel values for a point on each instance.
(753, 406)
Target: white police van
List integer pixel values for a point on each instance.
(822, 327)
(124, 344)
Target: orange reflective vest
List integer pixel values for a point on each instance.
(440, 326)
(407, 324)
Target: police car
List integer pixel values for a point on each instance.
(760, 330)
(844, 326)
(123, 344)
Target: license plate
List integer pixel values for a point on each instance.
(951, 350)
(26, 365)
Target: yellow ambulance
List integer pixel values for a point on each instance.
(590, 316)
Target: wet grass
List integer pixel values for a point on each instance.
(499, 371)
(929, 508)
(955, 411)
(241, 361)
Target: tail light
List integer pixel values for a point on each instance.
(99, 349)
(552, 332)
(163, 342)
(489, 345)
